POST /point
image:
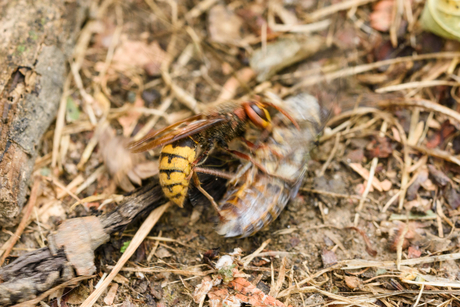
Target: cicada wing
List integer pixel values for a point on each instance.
(248, 208)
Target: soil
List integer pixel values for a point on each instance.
(326, 224)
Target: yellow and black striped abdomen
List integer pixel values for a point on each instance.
(175, 166)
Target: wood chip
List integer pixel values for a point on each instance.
(365, 174)
(111, 294)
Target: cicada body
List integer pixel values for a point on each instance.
(254, 197)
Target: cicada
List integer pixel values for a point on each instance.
(255, 197)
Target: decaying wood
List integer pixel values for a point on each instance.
(37, 39)
(79, 238)
(37, 271)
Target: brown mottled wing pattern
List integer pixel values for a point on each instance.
(254, 198)
(253, 203)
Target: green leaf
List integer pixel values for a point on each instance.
(72, 110)
(125, 246)
(33, 35)
(21, 49)
(45, 171)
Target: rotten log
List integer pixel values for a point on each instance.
(37, 38)
(36, 272)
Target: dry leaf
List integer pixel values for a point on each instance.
(252, 295)
(329, 258)
(386, 185)
(231, 86)
(352, 282)
(413, 252)
(380, 148)
(382, 16)
(204, 287)
(196, 214)
(136, 54)
(396, 135)
(355, 156)
(156, 290)
(439, 177)
(418, 206)
(412, 191)
(78, 295)
(397, 231)
(110, 297)
(121, 279)
(55, 210)
(446, 130)
(453, 197)
(221, 298)
(162, 253)
(124, 166)
(128, 303)
(365, 174)
(283, 53)
(129, 121)
(224, 25)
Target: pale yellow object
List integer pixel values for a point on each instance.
(442, 17)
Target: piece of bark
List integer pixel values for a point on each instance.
(80, 237)
(32, 274)
(35, 272)
(37, 39)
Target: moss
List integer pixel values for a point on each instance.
(227, 273)
(33, 35)
(21, 49)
